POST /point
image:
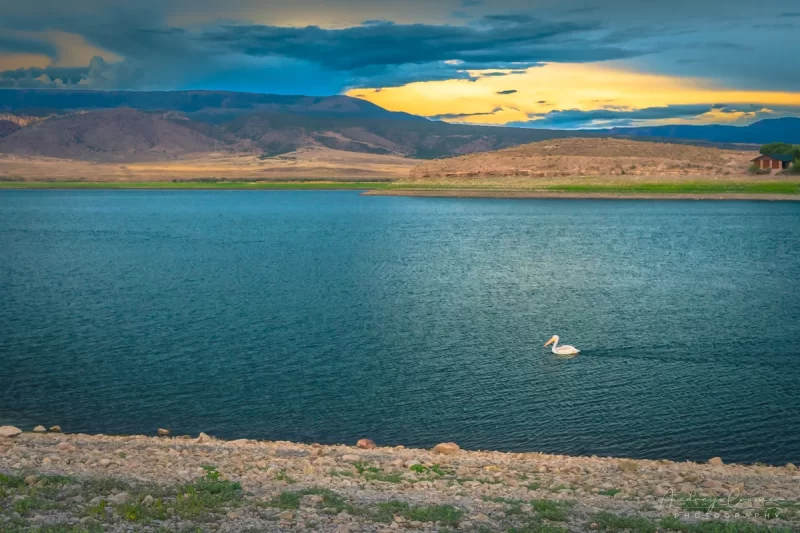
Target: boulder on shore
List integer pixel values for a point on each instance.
(715, 461)
(39, 429)
(163, 432)
(447, 448)
(365, 444)
(56, 429)
(9, 432)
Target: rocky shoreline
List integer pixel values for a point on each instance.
(54, 482)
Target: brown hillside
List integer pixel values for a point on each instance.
(590, 157)
(7, 128)
(109, 135)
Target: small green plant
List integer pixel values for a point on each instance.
(211, 473)
(23, 506)
(446, 514)
(633, 524)
(609, 492)
(551, 510)
(283, 476)
(97, 511)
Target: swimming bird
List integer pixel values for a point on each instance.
(561, 350)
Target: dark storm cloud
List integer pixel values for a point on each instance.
(495, 39)
(509, 91)
(373, 54)
(35, 77)
(26, 45)
(171, 44)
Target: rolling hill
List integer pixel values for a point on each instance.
(590, 157)
(762, 132)
(122, 126)
(109, 135)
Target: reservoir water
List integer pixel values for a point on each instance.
(331, 316)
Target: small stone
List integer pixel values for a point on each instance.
(465, 524)
(628, 466)
(791, 467)
(715, 461)
(311, 500)
(39, 429)
(620, 496)
(412, 462)
(204, 438)
(480, 518)
(594, 525)
(446, 448)
(365, 444)
(9, 432)
(104, 462)
(163, 432)
(233, 515)
(147, 500)
(660, 491)
(350, 458)
(117, 499)
(394, 525)
(55, 429)
(712, 484)
(31, 480)
(66, 446)
(286, 515)
(526, 508)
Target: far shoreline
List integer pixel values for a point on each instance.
(589, 195)
(659, 190)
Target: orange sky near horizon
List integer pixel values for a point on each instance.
(563, 86)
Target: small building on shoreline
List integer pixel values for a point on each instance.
(773, 161)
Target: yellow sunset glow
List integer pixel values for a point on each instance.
(558, 86)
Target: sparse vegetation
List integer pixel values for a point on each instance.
(757, 170)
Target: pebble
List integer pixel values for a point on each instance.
(116, 499)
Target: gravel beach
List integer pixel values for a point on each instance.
(56, 482)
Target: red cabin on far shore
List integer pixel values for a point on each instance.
(773, 161)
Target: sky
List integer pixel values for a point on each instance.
(526, 63)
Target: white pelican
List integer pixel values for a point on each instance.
(561, 350)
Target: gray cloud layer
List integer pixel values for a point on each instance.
(615, 117)
(733, 46)
(375, 53)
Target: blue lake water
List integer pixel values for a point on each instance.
(330, 316)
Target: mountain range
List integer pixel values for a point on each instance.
(124, 126)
